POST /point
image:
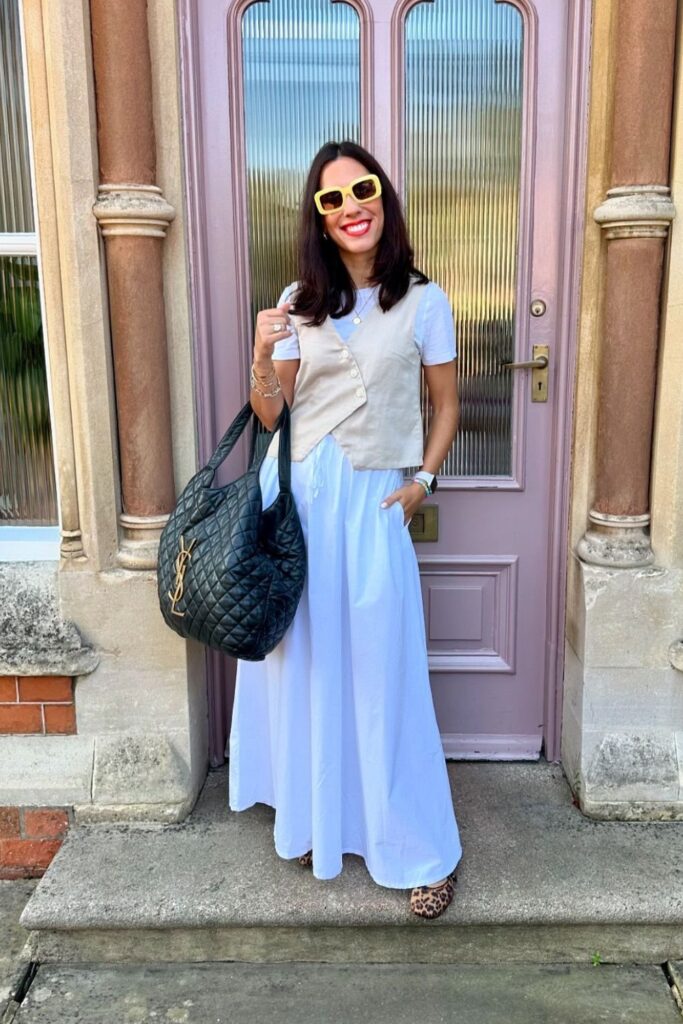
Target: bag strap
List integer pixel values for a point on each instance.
(230, 437)
(252, 444)
(232, 434)
(284, 468)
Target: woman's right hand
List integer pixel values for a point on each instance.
(265, 337)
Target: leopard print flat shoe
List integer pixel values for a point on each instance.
(431, 901)
(306, 859)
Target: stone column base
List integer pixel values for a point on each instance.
(619, 541)
(140, 540)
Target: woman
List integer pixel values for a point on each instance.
(336, 728)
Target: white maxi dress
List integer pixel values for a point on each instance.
(336, 727)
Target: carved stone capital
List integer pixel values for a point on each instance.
(621, 542)
(636, 211)
(139, 546)
(132, 210)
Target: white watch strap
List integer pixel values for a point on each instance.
(425, 475)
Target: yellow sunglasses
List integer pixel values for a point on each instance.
(331, 199)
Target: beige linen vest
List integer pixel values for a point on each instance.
(365, 392)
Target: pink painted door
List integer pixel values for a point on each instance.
(471, 105)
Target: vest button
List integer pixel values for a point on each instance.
(359, 392)
(344, 354)
(353, 371)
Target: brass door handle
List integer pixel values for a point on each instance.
(539, 367)
(536, 364)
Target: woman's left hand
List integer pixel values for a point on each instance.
(410, 496)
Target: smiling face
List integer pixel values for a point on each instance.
(357, 227)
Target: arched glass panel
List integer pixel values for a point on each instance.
(301, 61)
(463, 61)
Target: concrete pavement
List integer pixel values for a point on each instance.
(239, 993)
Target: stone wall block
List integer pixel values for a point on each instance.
(45, 771)
(631, 616)
(636, 766)
(143, 775)
(141, 682)
(622, 698)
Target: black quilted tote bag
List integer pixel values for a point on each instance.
(230, 573)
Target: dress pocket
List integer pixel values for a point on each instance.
(400, 515)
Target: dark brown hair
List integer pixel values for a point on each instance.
(325, 286)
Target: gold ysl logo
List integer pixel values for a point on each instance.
(183, 557)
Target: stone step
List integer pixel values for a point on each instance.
(538, 882)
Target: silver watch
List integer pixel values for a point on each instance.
(429, 479)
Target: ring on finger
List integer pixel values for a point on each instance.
(276, 328)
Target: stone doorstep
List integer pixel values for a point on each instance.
(538, 882)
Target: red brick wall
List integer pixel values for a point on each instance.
(37, 704)
(31, 836)
(29, 839)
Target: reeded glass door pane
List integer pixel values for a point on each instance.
(463, 61)
(301, 62)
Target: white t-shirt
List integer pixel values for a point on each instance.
(434, 330)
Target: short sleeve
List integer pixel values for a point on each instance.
(434, 327)
(287, 348)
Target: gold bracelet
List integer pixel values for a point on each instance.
(265, 382)
(263, 379)
(267, 394)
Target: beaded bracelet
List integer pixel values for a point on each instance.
(423, 483)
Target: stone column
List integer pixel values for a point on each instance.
(133, 218)
(635, 218)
